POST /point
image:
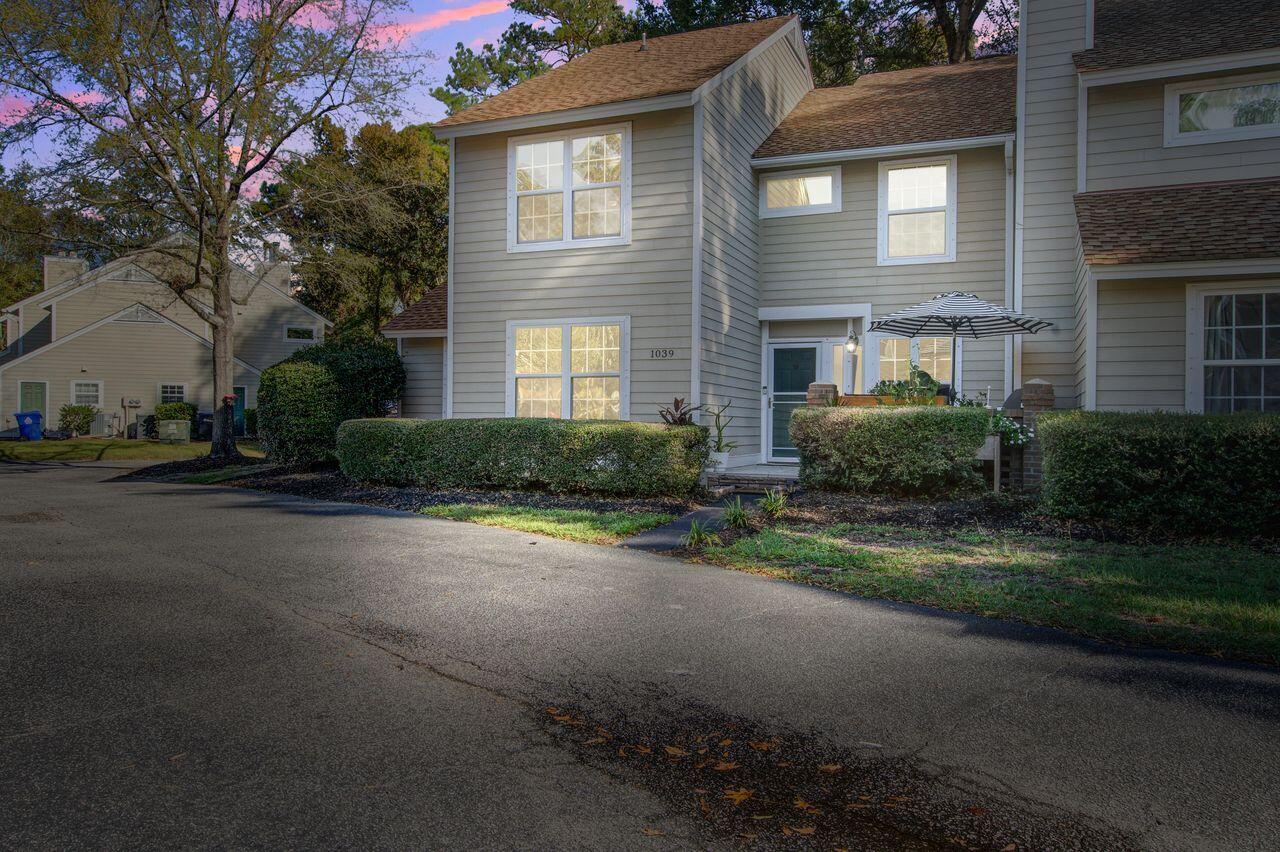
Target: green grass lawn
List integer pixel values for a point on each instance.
(571, 524)
(109, 449)
(1218, 600)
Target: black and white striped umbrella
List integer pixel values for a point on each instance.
(957, 315)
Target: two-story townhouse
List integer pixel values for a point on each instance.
(1149, 199)
(118, 338)
(687, 216)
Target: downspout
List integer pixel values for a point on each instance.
(695, 348)
(1019, 178)
(448, 310)
(1010, 170)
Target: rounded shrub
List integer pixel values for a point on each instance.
(592, 456)
(298, 413)
(176, 411)
(369, 373)
(895, 450)
(77, 418)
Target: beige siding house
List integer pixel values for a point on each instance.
(117, 338)
(688, 217)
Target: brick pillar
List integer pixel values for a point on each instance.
(1037, 396)
(820, 394)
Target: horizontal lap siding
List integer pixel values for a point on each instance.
(1126, 145)
(737, 117)
(131, 359)
(1054, 30)
(831, 258)
(112, 295)
(1142, 331)
(259, 334)
(424, 370)
(650, 280)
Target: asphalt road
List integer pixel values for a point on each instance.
(187, 666)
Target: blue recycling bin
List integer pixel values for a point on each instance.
(30, 425)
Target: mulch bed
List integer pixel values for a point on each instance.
(188, 467)
(332, 485)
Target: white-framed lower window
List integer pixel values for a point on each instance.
(799, 193)
(171, 392)
(916, 211)
(576, 368)
(570, 189)
(1233, 348)
(86, 393)
(1240, 107)
(300, 332)
(933, 354)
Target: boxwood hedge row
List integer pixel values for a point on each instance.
(598, 457)
(1215, 473)
(897, 450)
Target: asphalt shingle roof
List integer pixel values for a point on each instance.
(1140, 32)
(1232, 220)
(430, 313)
(623, 72)
(902, 107)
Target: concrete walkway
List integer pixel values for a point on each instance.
(212, 667)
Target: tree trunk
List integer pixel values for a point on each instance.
(224, 394)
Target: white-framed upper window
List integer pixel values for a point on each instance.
(300, 332)
(800, 192)
(916, 206)
(171, 392)
(570, 189)
(86, 393)
(569, 368)
(933, 354)
(1233, 349)
(1243, 107)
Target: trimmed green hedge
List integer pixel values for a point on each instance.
(77, 418)
(1198, 473)
(251, 422)
(591, 456)
(899, 450)
(298, 413)
(176, 411)
(369, 373)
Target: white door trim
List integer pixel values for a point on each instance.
(823, 373)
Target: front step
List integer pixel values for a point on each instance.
(752, 483)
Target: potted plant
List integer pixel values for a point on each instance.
(720, 448)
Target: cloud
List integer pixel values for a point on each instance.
(444, 17)
(12, 109)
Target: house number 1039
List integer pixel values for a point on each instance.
(662, 354)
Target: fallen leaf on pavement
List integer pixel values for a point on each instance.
(738, 795)
(762, 745)
(724, 765)
(652, 832)
(829, 768)
(802, 830)
(675, 751)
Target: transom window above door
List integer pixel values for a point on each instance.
(569, 190)
(1242, 352)
(576, 369)
(916, 206)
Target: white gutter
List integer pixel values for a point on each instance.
(905, 149)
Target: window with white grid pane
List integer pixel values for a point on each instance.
(569, 190)
(86, 393)
(917, 211)
(173, 393)
(568, 369)
(1241, 351)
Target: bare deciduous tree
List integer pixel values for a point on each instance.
(178, 109)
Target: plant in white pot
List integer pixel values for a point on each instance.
(720, 448)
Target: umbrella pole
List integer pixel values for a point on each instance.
(955, 368)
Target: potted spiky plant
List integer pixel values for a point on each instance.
(720, 448)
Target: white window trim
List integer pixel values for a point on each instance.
(882, 211)
(767, 212)
(161, 385)
(1196, 293)
(1174, 137)
(315, 333)
(102, 392)
(567, 241)
(566, 375)
(871, 358)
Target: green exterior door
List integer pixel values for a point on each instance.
(31, 397)
(238, 411)
(794, 368)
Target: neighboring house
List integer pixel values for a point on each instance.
(689, 217)
(117, 338)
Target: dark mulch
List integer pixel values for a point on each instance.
(332, 485)
(188, 467)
